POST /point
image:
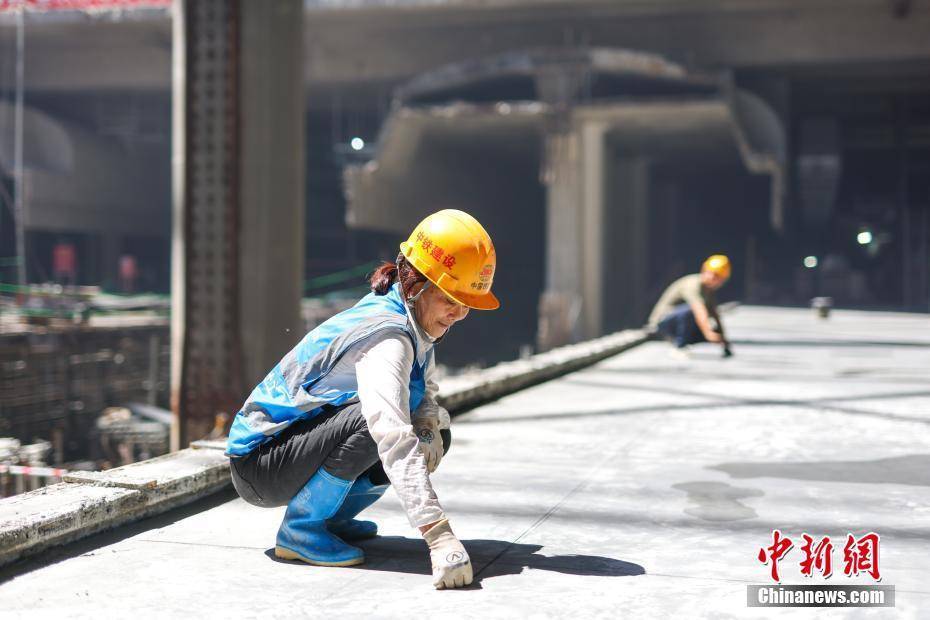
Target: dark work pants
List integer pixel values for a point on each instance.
(336, 440)
(680, 327)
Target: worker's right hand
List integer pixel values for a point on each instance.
(451, 564)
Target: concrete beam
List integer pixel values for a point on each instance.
(645, 108)
(742, 35)
(356, 41)
(193, 470)
(80, 52)
(90, 502)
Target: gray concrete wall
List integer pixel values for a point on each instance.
(487, 166)
(79, 180)
(626, 230)
(272, 193)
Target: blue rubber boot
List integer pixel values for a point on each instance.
(303, 534)
(362, 495)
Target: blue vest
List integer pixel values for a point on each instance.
(302, 382)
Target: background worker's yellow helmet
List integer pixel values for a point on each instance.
(718, 264)
(455, 253)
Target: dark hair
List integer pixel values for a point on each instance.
(388, 273)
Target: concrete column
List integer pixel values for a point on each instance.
(560, 304)
(272, 203)
(627, 285)
(109, 260)
(571, 307)
(238, 157)
(593, 209)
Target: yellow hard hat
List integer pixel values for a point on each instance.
(455, 253)
(718, 264)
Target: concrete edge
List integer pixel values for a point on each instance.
(87, 503)
(458, 394)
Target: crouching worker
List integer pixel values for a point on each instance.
(686, 313)
(352, 408)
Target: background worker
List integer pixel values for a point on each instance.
(352, 408)
(686, 313)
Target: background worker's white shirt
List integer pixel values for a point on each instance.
(382, 370)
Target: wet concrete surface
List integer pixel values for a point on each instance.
(643, 486)
(718, 501)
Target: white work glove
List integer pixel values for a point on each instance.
(427, 431)
(451, 564)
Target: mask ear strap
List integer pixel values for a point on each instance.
(401, 259)
(413, 299)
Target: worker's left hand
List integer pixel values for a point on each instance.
(427, 431)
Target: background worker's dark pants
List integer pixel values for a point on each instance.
(337, 440)
(680, 327)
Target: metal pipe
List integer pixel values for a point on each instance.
(179, 224)
(154, 350)
(19, 205)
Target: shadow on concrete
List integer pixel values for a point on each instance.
(615, 522)
(712, 401)
(666, 389)
(490, 558)
(725, 403)
(871, 375)
(830, 343)
(87, 546)
(912, 469)
(565, 415)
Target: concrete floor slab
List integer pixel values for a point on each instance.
(642, 486)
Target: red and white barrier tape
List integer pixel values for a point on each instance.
(33, 471)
